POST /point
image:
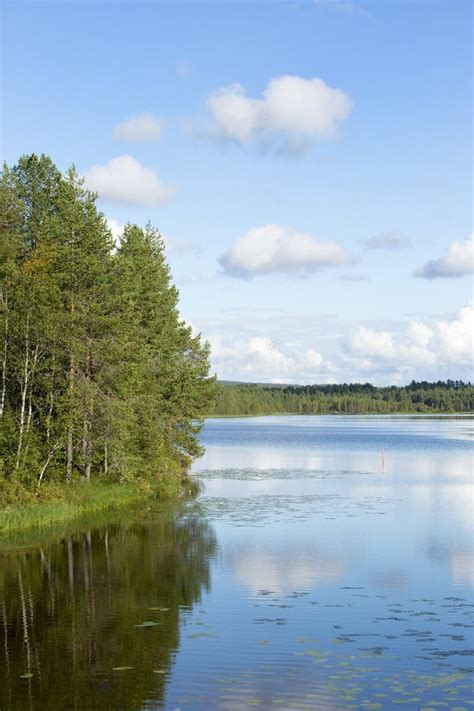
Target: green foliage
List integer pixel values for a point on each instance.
(235, 399)
(100, 379)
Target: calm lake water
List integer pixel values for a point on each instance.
(328, 564)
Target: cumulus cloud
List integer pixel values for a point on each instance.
(456, 263)
(371, 343)
(139, 129)
(454, 340)
(116, 229)
(277, 249)
(292, 347)
(124, 180)
(429, 344)
(259, 357)
(292, 112)
(387, 240)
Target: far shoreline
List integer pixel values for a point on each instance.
(427, 413)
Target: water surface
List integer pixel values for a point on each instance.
(328, 564)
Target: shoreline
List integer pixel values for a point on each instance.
(410, 413)
(70, 503)
(66, 504)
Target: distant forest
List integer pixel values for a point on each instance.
(350, 399)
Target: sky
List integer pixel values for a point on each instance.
(308, 163)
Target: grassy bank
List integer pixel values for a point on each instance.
(61, 504)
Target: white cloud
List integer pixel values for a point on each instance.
(293, 111)
(259, 358)
(419, 333)
(125, 180)
(458, 262)
(372, 344)
(235, 116)
(274, 248)
(312, 347)
(387, 240)
(116, 229)
(436, 343)
(312, 359)
(139, 129)
(454, 340)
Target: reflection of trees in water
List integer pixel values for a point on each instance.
(68, 613)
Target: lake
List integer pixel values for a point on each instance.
(327, 564)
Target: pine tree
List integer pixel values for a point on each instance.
(99, 376)
(167, 390)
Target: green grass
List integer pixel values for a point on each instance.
(61, 504)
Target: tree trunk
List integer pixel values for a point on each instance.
(106, 455)
(69, 444)
(30, 398)
(4, 361)
(46, 464)
(86, 430)
(24, 390)
(106, 438)
(86, 449)
(69, 452)
(49, 416)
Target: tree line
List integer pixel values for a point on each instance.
(355, 398)
(99, 376)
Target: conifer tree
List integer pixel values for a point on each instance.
(99, 376)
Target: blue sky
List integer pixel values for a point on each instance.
(325, 197)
